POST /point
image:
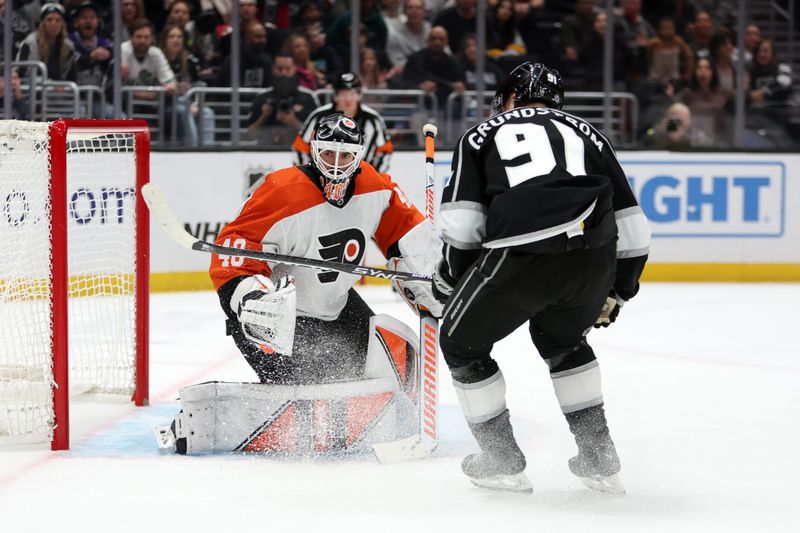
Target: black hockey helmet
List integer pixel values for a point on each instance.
(337, 147)
(347, 80)
(337, 127)
(531, 82)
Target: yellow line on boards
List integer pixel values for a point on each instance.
(708, 272)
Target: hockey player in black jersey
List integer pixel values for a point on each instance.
(540, 226)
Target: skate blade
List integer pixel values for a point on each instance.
(609, 484)
(508, 483)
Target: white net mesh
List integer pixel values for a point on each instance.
(101, 188)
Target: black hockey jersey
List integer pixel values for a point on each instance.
(533, 175)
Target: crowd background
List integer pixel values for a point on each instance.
(677, 61)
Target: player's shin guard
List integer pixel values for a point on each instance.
(480, 388)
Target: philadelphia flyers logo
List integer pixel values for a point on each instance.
(346, 246)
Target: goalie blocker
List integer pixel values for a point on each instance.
(301, 420)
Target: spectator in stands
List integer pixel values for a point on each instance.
(722, 55)
(20, 110)
(672, 132)
(186, 69)
(636, 31)
(710, 104)
(458, 20)
(538, 23)
(278, 113)
(248, 12)
(752, 36)
(307, 14)
(771, 87)
(392, 14)
(680, 11)
(130, 10)
(373, 76)
(255, 67)
(502, 37)
(700, 37)
(50, 45)
(205, 43)
(467, 57)
(410, 37)
(297, 46)
(142, 63)
(770, 80)
(587, 71)
(669, 57)
(93, 54)
(327, 63)
(179, 13)
(24, 16)
(433, 70)
(576, 29)
(371, 18)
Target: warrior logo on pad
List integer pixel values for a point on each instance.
(345, 246)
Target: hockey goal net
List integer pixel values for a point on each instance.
(73, 270)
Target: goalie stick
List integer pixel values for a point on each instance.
(422, 444)
(164, 215)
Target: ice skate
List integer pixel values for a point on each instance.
(501, 464)
(490, 472)
(597, 464)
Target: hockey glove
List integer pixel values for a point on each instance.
(420, 251)
(417, 294)
(442, 283)
(610, 311)
(267, 312)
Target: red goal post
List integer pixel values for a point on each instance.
(74, 277)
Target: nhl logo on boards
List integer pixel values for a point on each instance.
(254, 177)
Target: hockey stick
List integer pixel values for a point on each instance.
(421, 445)
(155, 200)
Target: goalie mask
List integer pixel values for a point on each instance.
(336, 151)
(530, 82)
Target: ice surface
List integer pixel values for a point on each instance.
(702, 389)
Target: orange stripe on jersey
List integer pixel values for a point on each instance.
(283, 194)
(386, 148)
(400, 216)
(301, 146)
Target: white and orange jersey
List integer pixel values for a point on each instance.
(289, 215)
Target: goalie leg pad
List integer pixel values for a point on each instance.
(293, 419)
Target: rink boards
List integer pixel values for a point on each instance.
(714, 216)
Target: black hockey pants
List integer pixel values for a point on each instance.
(560, 294)
(324, 351)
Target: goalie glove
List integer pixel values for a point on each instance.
(267, 311)
(420, 251)
(610, 310)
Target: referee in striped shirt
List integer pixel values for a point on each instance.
(347, 100)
